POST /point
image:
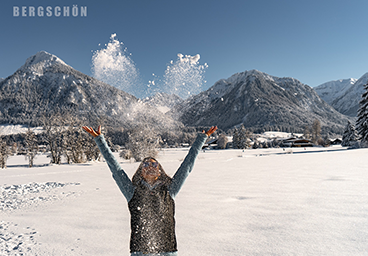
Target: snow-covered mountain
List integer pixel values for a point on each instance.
(334, 89)
(163, 101)
(259, 101)
(46, 84)
(347, 101)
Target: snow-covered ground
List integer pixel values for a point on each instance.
(257, 202)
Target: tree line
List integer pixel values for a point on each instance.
(62, 136)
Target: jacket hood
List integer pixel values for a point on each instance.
(137, 177)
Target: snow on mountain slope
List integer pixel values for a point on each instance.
(344, 95)
(334, 89)
(348, 103)
(42, 60)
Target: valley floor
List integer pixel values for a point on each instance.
(257, 202)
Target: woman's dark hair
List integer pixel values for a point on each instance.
(137, 177)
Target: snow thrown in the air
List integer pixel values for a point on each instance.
(115, 66)
(184, 77)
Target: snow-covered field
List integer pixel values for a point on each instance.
(256, 202)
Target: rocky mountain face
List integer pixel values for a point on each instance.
(343, 95)
(45, 84)
(259, 101)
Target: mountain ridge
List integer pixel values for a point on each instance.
(343, 95)
(259, 100)
(333, 89)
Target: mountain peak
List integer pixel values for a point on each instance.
(254, 73)
(41, 60)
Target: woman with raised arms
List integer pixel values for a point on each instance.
(150, 195)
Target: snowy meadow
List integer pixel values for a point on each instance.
(311, 201)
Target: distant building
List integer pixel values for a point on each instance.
(296, 142)
(210, 144)
(336, 142)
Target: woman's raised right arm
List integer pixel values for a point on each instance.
(121, 178)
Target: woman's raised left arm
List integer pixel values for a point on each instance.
(188, 163)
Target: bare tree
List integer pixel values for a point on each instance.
(316, 130)
(307, 132)
(91, 150)
(73, 141)
(222, 141)
(31, 145)
(14, 148)
(4, 153)
(53, 126)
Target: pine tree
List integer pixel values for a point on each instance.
(235, 138)
(244, 137)
(362, 121)
(350, 135)
(241, 138)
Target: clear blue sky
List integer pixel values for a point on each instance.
(312, 41)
